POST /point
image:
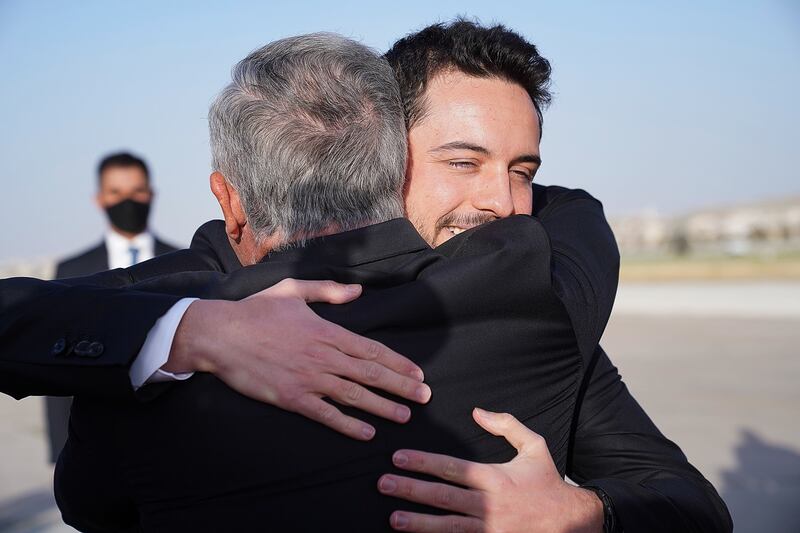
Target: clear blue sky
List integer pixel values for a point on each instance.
(670, 105)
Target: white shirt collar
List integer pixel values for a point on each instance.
(119, 248)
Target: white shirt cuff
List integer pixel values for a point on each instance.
(146, 368)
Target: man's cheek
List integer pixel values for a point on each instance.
(523, 200)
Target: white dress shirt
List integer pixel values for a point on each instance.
(146, 368)
(119, 249)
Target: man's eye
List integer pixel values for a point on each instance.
(524, 174)
(461, 164)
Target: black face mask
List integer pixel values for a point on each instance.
(129, 215)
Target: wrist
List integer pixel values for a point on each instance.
(192, 346)
(609, 523)
(590, 511)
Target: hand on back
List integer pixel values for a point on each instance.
(273, 348)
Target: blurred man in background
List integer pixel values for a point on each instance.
(124, 193)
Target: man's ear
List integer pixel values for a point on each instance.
(228, 198)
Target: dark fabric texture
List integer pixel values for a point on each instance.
(57, 408)
(465, 312)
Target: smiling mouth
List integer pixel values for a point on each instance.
(455, 230)
(456, 224)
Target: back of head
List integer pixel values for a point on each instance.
(310, 133)
(473, 49)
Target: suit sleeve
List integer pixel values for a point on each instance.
(585, 262)
(69, 338)
(615, 446)
(648, 479)
(80, 335)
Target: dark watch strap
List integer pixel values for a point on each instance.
(609, 520)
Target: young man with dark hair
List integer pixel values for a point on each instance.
(473, 98)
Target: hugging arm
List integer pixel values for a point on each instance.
(617, 448)
(585, 259)
(614, 447)
(61, 340)
(80, 335)
(46, 327)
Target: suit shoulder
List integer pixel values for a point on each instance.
(162, 247)
(83, 263)
(209, 234)
(83, 255)
(548, 197)
(211, 240)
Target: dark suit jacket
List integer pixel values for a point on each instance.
(613, 444)
(486, 332)
(95, 260)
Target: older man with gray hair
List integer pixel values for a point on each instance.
(309, 157)
(308, 139)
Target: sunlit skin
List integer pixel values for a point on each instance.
(123, 183)
(472, 156)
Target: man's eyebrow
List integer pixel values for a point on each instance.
(463, 145)
(527, 158)
(460, 145)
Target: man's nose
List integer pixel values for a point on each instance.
(494, 193)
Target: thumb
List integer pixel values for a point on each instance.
(506, 426)
(317, 291)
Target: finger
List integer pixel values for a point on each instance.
(316, 291)
(515, 432)
(378, 376)
(363, 348)
(320, 411)
(439, 495)
(466, 473)
(425, 523)
(353, 394)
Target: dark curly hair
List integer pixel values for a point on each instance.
(484, 52)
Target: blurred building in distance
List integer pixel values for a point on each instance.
(766, 228)
(42, 268)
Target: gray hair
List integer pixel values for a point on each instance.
(311, 134)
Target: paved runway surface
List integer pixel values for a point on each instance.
(726, 390)
(719, 377)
